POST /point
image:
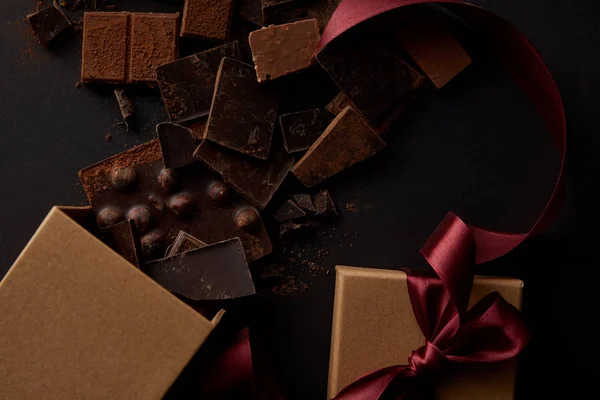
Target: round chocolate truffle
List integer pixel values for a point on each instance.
(123, 177)
(182, 204)
(142, 217)
(109, 216)
(218, 191)
(247, 219)
(167, 179)
(152, 243)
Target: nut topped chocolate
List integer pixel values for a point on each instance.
(162, 202)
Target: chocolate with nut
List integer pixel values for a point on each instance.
(163, 201)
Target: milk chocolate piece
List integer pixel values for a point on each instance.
(304, 202)
(289, 210)
(176, 199)
(187, 85)
(48, 23)
(216, 272)
(255, 180)
(184, 242)
(324, 204)
(301, 129)
(207, 19)
(375, 78)
(347, 140)
(153, 42)
(291, 230)
(124, 239)
(434, 49)
(177, 144)
(251, 10)
(338, 103)
(242, 116)
(126, 107)
(282, 49)
(105, 47)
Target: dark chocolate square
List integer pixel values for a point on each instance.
(301, 129)
(48, 23)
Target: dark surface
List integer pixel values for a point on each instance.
(476, 147)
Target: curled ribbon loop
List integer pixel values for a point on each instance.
(427, 359)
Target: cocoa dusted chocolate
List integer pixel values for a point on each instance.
(123, 47)
(374, 78)
(187, 84)
(48, 23)
(289, 210)
(243, 112)
(207, 19)
(279, 50)
(256, 180)
(215, 272)
(183, 243)
(163, 201)
(301, 129)
(347, 140)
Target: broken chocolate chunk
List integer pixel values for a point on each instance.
(282, 11)
(324, 204)
(242, 116)
(177, 199)
(177, 144)
(347, 140)
(48, 23)
(216, 272)
(184, 242)
(434, 49)
(338, 103)
(187, 85)
(123, 238)
(126, 107)
(279, 50)
(289, 210)
(304, 202)
(375, 78)
(301, 129)
(294, 231)
(256, 180)
(251, 10)
(207, 19)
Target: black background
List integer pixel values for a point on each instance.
(477, 147)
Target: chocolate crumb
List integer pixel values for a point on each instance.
(352, 207)
(108, 137)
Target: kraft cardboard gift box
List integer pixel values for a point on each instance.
(77, 321)
(374, 327)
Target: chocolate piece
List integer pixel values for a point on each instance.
(216, 272)
(374, 78)
(126, 107)
(105, 48)
(251, 10)
(301, 129)
(282, 49)
(434, 49)
(243, 112)
(338, 103)
(121, 47)
(255, 180)
(123, 238)
(347, 140)
(48, 23)
(186, 204)
(153, 42)
(304, 202)
(282, 11)
(207, 19)
(291, 230)
(184, 242)
(187, 85)
(177, 144)
(324, 204)
(289, 210)
(197, 126)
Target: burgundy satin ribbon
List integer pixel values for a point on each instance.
(490, 331)
(528, 69)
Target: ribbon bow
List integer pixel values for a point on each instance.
(490, 331)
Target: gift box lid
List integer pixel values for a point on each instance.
(374, 327)
(77, 321)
